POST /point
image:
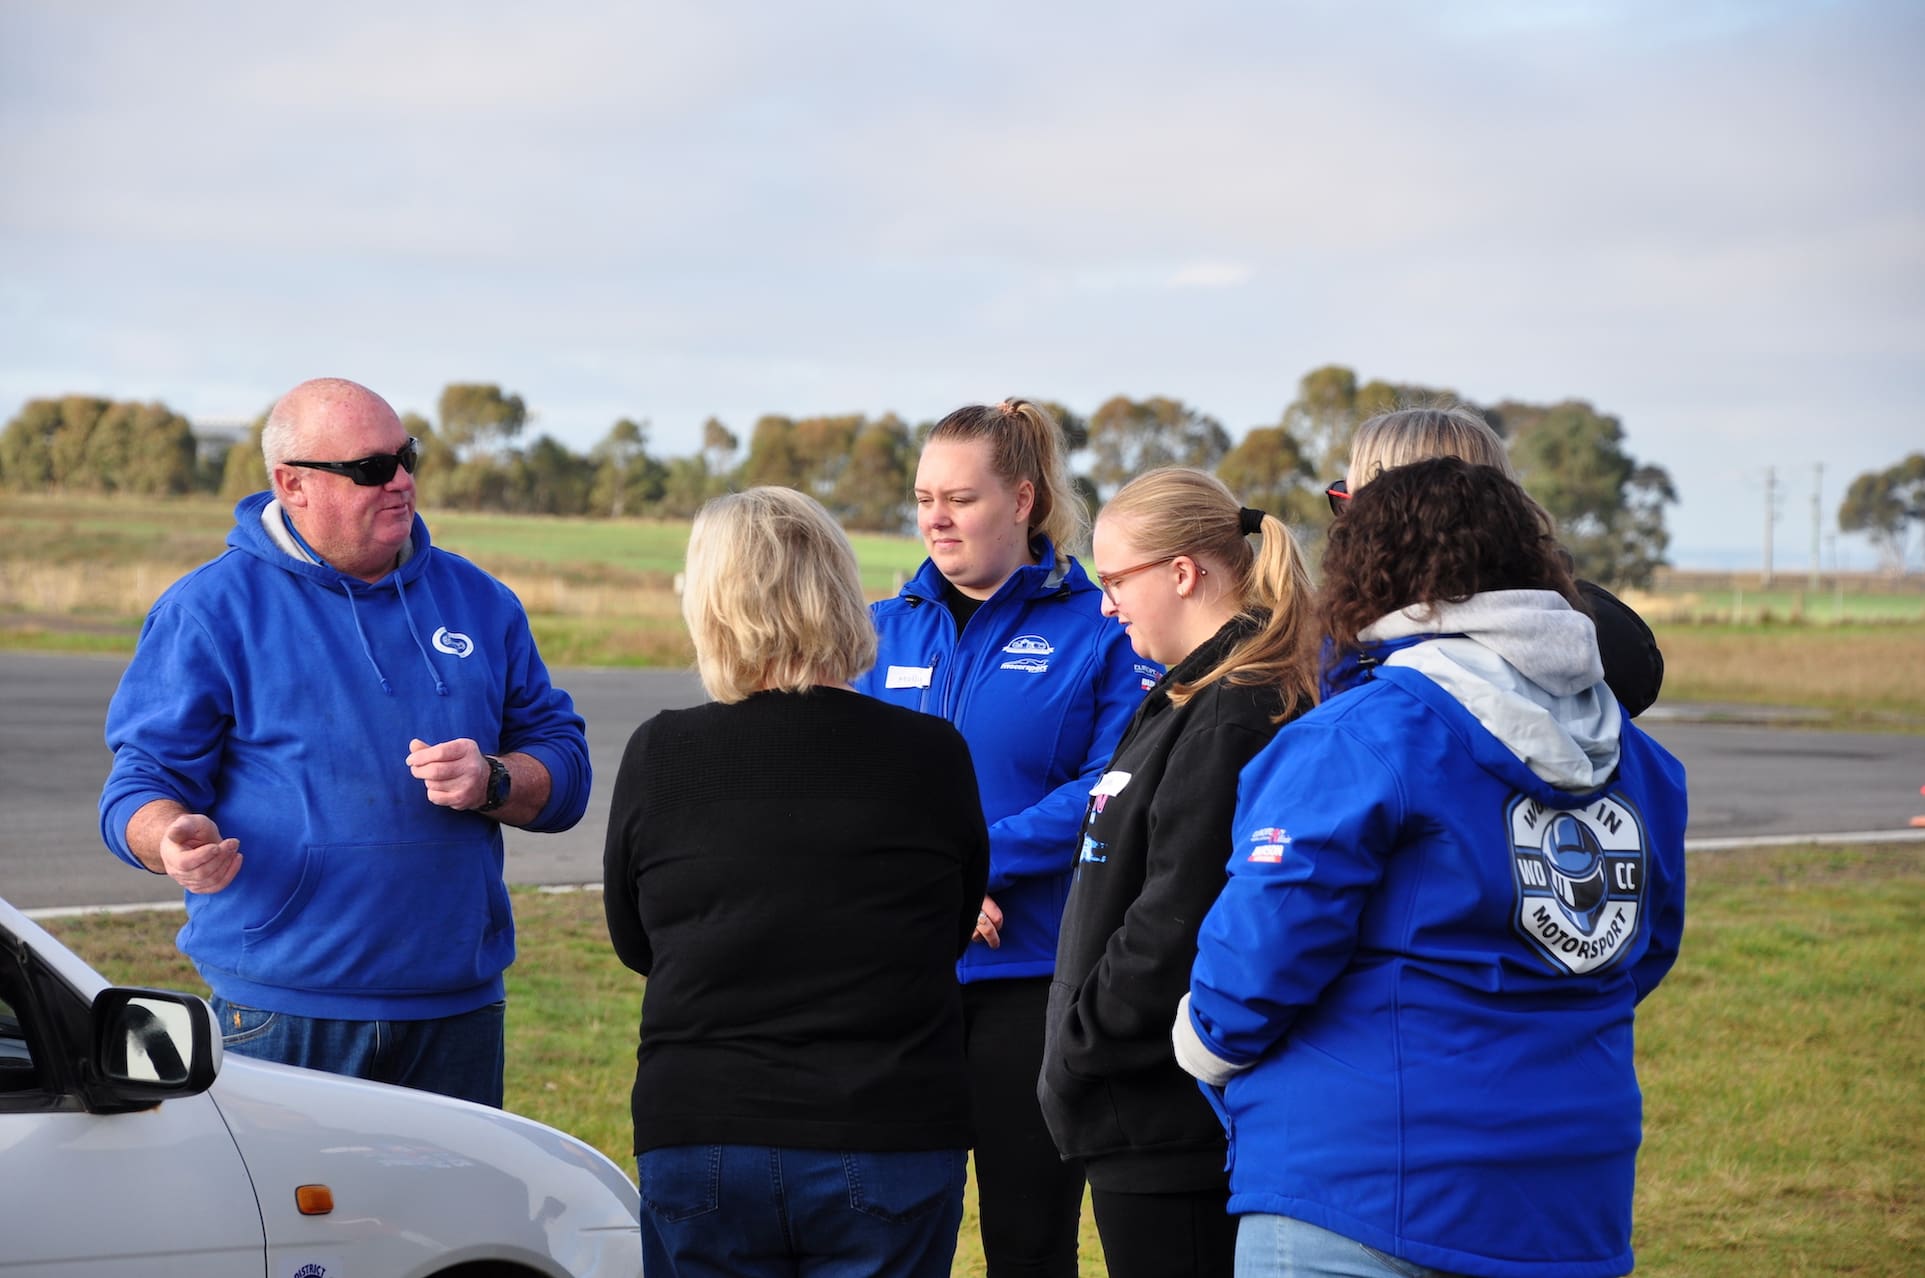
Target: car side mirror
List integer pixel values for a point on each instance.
(149, 1046)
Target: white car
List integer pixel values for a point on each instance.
(129, 1146)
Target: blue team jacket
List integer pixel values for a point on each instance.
(1041, 685)
(1427, 959)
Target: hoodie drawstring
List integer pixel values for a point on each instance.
(366, 648)
(440, 688)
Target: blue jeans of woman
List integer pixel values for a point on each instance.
(1282, 1247)
(756, 1211)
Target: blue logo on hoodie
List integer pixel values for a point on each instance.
(453, 642)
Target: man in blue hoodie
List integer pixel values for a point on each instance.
(319, 738)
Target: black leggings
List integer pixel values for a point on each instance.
(1029, 1199)
(1192, 1235)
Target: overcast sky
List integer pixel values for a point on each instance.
(1707, 219)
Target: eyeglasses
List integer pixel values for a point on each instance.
(371, 472)
(1108, 580)
(1338, 493)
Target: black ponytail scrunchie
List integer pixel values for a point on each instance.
(1249, 521)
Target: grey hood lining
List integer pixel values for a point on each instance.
(1525, 664)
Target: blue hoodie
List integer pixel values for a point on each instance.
(278, 697)
(1041, 685)
(1449, 888)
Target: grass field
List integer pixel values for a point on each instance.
(1784, 1116)
(1869, 676)
(1742, 598)
(79, 573)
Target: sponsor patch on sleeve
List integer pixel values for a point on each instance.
(1271, 843)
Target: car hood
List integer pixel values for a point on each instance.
(380, 1148)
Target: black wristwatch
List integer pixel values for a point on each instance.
(500, 782)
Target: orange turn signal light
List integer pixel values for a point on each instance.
(314, 1200)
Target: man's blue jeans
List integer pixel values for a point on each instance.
(1282, 1247)
(460, 1056)
(750, 1211)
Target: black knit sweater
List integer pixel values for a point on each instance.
(795, 874)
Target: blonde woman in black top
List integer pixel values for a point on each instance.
(794, 867)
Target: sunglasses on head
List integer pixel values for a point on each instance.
(1337, 494)
(371, 472)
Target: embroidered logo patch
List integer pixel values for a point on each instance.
(1580, 879)
(1029, 654)
(453, 642)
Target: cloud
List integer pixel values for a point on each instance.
(1709, 218)
(1211, 275)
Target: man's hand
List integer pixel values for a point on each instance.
(194, 855)
(455, 772)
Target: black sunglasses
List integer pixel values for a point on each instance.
(371, 472)
(1337, 494)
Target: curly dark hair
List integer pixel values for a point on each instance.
(1436, 531)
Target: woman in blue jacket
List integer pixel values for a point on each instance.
(1002, 633)
(1449, 888)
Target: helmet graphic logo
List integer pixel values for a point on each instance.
(1579, 877)
(1576, 865)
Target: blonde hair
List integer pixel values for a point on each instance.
(1025, 442)
(1418, 434)
(772, 596)
(1178, 511)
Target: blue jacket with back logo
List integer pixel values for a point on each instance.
(1448, 889)
(1041, 685)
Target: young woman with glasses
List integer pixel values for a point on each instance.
(1230, 619)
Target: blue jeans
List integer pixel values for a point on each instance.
(460, 1056)
(745, 1211)
(1282, 1247)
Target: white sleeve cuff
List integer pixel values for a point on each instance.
(1197, 1060)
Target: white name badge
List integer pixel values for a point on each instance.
(1112, 783)
(909, 676)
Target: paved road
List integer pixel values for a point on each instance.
(1745, 781)
(52, 763)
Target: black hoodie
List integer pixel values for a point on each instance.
(1155, 840)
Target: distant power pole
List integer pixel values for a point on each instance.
(1771, 517)
(1817, 486)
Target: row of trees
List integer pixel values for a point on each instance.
(1610, 506)
(84, 444)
